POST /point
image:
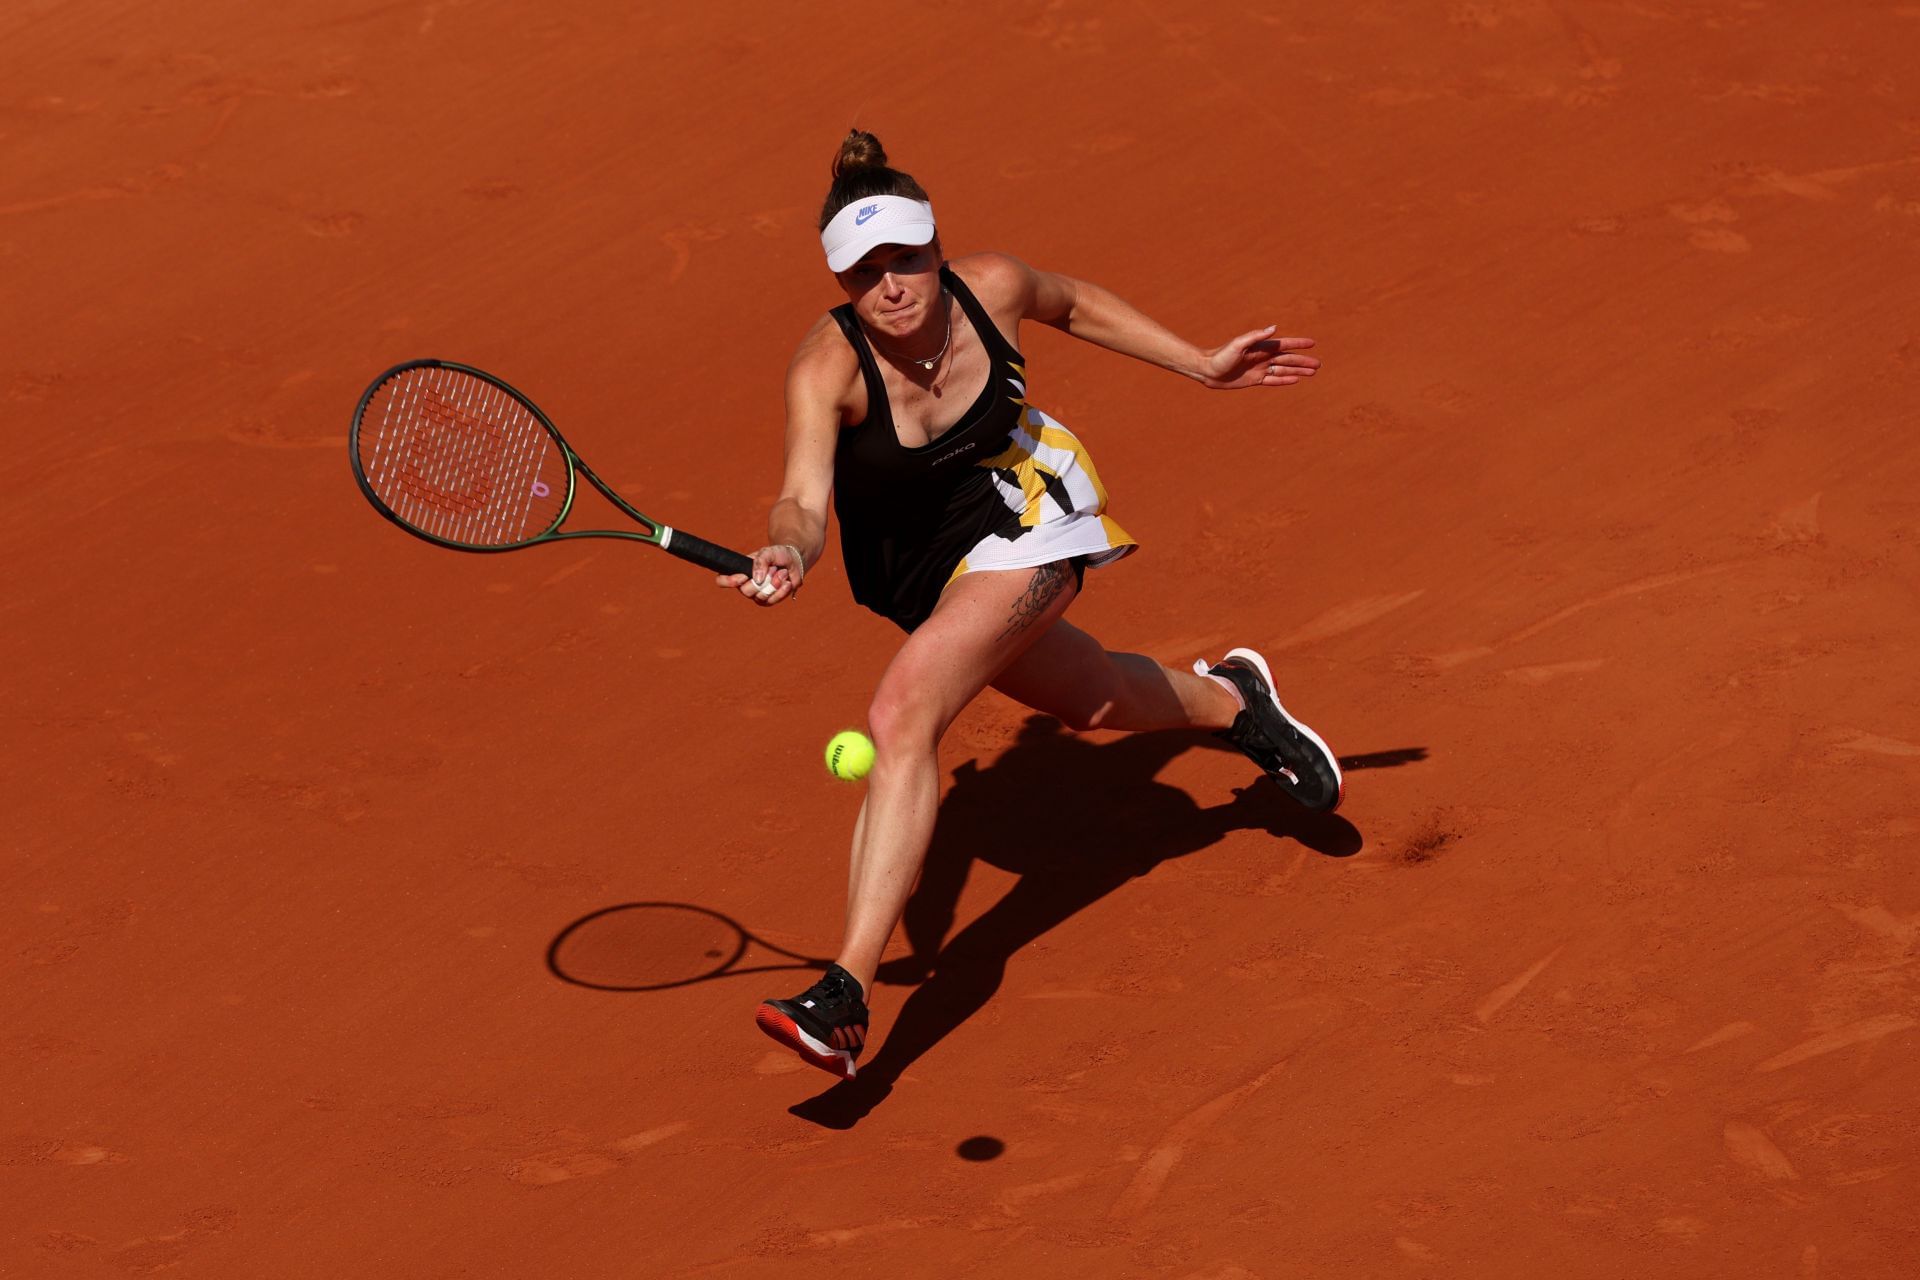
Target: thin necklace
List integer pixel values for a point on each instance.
(934, 359)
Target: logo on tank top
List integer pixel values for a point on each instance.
(860, 218)
(955, 452)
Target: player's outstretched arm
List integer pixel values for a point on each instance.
(1257, 358)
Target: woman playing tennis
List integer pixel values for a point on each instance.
(969, 517)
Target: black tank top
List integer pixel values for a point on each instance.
(910, 513)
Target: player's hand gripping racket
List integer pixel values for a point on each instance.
(458, 457)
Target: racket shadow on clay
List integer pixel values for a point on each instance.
(1105, 820)
(657, 946)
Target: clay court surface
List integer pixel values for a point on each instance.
(1592, 550)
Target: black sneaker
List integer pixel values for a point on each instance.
(826, 1024)
(1292, 754)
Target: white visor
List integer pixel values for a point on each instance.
(864, 225)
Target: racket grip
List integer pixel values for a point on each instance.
(703, 553)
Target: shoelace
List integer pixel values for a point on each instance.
(832, 989)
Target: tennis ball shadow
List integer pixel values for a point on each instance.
(980, 1149)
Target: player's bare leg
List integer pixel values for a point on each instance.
(1068, 675)
(984, 621)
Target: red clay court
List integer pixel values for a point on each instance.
(1592, 549)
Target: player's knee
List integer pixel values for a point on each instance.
(897, 723)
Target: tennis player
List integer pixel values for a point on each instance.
(970, 517)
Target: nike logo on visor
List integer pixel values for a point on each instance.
(860, 218)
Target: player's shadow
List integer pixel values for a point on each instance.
(1075, 820)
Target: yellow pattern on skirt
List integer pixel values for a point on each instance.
(1045, 461)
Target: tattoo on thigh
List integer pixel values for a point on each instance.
(1049, 580)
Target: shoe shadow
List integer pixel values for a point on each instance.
(1074, 820)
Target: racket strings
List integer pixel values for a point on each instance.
(459, 458)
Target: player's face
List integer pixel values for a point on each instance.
(896, 288)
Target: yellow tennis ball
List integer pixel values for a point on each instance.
(849, 755)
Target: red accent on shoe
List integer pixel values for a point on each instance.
(783, 1030)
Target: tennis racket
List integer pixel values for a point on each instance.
(652, 946)
(456, 456)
